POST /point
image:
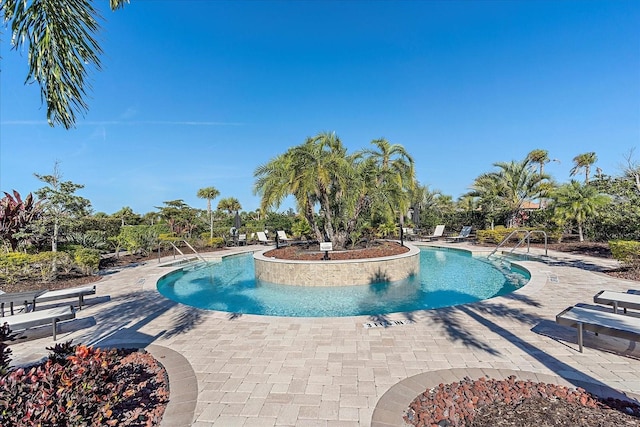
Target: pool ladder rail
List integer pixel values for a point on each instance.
(525, 238)
(200, 257)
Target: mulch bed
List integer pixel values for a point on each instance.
(494, 403)
(313, 253)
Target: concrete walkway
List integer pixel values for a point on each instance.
(247, 370)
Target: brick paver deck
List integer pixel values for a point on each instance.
(247, 370)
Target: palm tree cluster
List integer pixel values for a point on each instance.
(348, 190)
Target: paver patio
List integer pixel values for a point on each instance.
(243, 370)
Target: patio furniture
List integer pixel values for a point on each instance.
(52, 316)
(600, 322)
(19, 298)
(79, 292)
(618, 300)
(464, 234)
(262, 238)
(437, 233)
(282, 236)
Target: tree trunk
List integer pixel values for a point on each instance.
(580, 234)
(54, 238)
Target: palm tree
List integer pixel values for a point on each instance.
(583, 161)
(395, 175)
(229, 204)
(61, 46)
(540, 157)
(209, 193)
(487, 188)
(515, 183)
(577, 203)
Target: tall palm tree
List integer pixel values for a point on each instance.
(209, 193)
(395, 174)
(60, 38)
(320, 174)
(539, 157)
(583, 161)
(577, 202)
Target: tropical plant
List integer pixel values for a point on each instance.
(60, 38)
(512, 185)
(127, 216)
(209, 193)
(577, 202)
(583, 161)
(620, 218)
(180, 217)
(61, 207)
(314, 173)
(395, 177)
(487, 188)
(16, 215)
(539, 157)
(230, 205)
(321, 174)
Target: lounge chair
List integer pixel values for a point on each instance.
(437, 233)
(38, 318)
(262, 238)
(19, 298)
(79, 292)
(282, 236)
(464, 233)
(600, 322)
(618, 300)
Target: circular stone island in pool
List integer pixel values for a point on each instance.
(351, 272)
(446, 278)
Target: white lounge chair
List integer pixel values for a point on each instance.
(282, 236)
(262, 238)
(42, 317)
(79, 292)
(437, 233)
(600, 322)
(464, 233)
(618, 300)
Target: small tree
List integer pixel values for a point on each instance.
(61, 206)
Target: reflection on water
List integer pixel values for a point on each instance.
(446, 278)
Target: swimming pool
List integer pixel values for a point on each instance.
(447, 278)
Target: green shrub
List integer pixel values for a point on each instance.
(87, 260)
(14, 266)
(215, 242)
(494, 237)
(44, 264)
(626, 251)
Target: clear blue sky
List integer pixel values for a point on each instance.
(199, 93)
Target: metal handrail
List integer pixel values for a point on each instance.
(525, 237)
(190, 247)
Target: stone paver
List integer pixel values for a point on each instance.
(258, 370)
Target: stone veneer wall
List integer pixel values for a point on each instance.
(339, 272)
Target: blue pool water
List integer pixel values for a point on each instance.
(447, 278)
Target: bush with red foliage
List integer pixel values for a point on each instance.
(82, 386)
